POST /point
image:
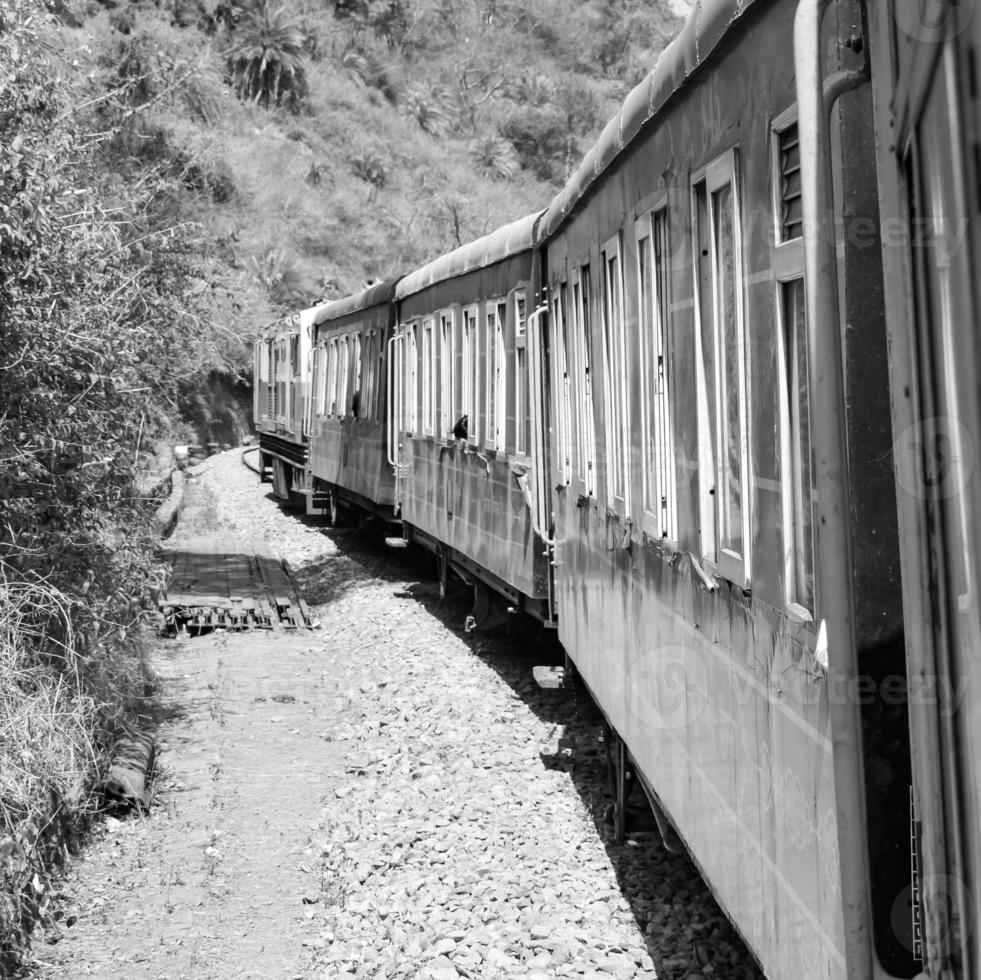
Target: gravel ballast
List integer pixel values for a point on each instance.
(382, 797)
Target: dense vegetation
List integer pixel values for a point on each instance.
(173, 176)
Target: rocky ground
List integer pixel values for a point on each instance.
(381, 797)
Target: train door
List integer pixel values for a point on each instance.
(924, 65)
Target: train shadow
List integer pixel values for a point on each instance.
(685, 932)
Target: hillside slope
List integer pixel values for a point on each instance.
(393, 132)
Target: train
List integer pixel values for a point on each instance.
(711, 417)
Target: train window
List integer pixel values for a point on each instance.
(368, 376)
(796, 461)
(615, 367)
(470, 372)
(560, 379)
(344, 370)
(721, 365)
(521, 419)
(332, 377)
(500, 375)
(412, 386)
(447, 378)
(356, 363)
(585, 422)
(654, 302)
(428, 379)
(496, 366)
(320, 379)
(796, 443)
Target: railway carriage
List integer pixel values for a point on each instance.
(462, 425)
(707, 540)
(281, 391)
(349, 451)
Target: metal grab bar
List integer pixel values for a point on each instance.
(815, 100)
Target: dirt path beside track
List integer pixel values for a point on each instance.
(382, 797)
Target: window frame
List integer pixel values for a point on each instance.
(320, 379)
(559, 342)
(344, 360)
(658, 453)
(585, 463)
(496, 373)
(470, 341)
(447, 374)
(521, 376)
(332, 353)
(732, 565)
(788, 267)
(412, 379)
(616, 380)
(429, 375)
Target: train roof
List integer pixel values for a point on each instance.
(376, 295)
(708, 22)
(519, 236)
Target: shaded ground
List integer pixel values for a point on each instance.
(383, 797)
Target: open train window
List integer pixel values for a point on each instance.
(332, 377)
(560, 379)
(583, 383)
(470, 380)
(652, 234)
(344, 362)
(615, 376)
(447, 375)
(720, 349)
(357, 372)
(496, 367)
(521, 417)
(412, 380)
(320, 379)
(428, 378)
(368, 370)
(796, 461)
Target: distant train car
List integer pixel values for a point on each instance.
(925, 58)
(462, 423)
(717, 510)
(281, 391)
(350, 470)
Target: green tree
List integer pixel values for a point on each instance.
(266, 58)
